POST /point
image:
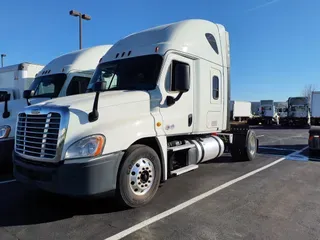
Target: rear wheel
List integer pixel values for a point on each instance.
(245, 152)
(139, 176)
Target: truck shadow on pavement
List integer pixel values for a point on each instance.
(289, 152)
(29, 206)
(277, 127)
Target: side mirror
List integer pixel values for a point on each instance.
(99, 86)
(181, 77)
(28, 94)
(6, 98)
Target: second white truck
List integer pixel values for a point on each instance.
(160, 107)
(65, 75)
(14, 79)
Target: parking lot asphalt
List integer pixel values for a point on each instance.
(276, 202)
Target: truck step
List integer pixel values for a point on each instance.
(181, 147)
(182, 170)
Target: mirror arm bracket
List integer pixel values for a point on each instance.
(6, 113)
(94, 115)
(171, 100)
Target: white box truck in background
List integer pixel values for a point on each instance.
(267, 112)
(65, 75)
(160, 107)
(281, 108)
(14, 79)
(240, 110)
(315, 108)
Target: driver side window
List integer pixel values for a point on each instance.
(77, 85)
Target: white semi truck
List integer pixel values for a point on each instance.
(267, 114)
(14, 79)
(160, 107)
(298, 112)
(315, 108)
(65, 75)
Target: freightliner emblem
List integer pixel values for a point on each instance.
(35, 111)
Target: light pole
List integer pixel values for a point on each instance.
(2, 56)
(81, 16)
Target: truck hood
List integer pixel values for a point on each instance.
(85, 101)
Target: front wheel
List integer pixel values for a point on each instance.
(139, 176)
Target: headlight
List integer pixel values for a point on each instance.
(87, 147)
(4, 131)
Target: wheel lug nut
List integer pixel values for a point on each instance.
(149, 181)
(138, 165)
(132, 183)
(142, 169)
(149, 171)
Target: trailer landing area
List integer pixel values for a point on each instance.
(276, 196)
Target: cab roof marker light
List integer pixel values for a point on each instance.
(100, 60)
(157, 49)
(122, 54)
(117, 55)
(129, 53)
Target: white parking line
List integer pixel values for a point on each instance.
(260, 136)
(194, 200)
(8, 181)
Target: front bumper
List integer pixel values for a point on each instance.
(6, 149)
(298, 120)
(88, 178)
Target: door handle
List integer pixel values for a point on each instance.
(189, 120)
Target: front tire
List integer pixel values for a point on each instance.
(139, 176)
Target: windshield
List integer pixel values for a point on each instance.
(48, 86)
(298, 108)
(137, 73)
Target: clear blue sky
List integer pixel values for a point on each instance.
(275, 44)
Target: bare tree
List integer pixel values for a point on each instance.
(307, 91)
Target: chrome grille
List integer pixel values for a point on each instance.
(37, 135)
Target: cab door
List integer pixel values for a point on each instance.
(176, 107)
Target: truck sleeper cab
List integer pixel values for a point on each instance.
(157, 106)
(66, 75)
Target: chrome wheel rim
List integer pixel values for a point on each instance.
(141, 176)
(252, 145)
